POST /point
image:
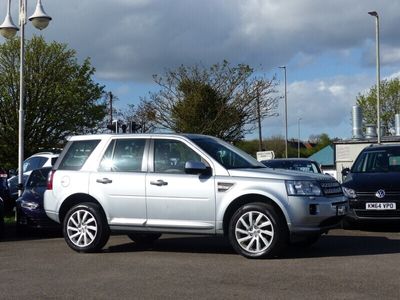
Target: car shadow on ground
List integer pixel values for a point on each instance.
(11, 234)
(345, 244)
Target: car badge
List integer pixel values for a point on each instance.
(380, 194)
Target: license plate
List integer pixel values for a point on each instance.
(381, 206)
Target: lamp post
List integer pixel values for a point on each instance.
(286, 119)
(298, 140)
(8, 29)
(378, 79)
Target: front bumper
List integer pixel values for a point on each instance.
(358, 210)
(311, 215)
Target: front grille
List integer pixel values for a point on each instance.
(377, 213)
(370, 196)
(331, 188)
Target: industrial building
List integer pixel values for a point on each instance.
(346, 151)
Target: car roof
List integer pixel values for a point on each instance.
(130, 135)
(45, 154)
(291, 159)
(381, 147)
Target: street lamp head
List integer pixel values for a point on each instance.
(39, 18)
(8, 28)
(373, 13)
(282, 67)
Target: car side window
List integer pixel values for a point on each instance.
(123, 155)
(77, 154)
(33, 163)
(170, 156)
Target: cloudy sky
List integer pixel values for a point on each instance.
(328, 47)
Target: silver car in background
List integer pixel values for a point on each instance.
(149, 184)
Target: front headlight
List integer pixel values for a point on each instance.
(349, 193)
(29, 205)
(303, 188)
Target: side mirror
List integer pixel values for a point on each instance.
(196, 167)
(345, 171)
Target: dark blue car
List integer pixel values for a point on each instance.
(1, 218)
(30, 210)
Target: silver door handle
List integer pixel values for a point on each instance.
(104, 180)
(159, 182)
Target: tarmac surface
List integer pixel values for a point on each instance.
(345, 264)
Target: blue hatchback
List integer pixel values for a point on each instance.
(30, 211)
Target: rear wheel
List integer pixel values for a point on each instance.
(257, 230)
(144, 238)
(85, 228)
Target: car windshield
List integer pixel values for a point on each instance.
(38, 178)
(296, 165)
(387, 160)
(227, 155)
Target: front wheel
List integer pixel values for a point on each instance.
(85, 228)
(257, 230)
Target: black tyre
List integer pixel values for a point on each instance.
(257, 230)
(144, 238)
(85, 228)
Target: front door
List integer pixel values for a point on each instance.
(175, 200)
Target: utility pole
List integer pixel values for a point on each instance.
(260, 146)
(378, 75)
(286, 118)
(111, 108)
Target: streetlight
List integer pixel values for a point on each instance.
(8, 29)
(286, 127)
(378, 79)
(298, 140)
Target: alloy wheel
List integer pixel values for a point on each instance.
(82, 228)
(254, 232)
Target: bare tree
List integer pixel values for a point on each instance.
(221, 100)
(142, 116)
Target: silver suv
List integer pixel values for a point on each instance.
(146, 185)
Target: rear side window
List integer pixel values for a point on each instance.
(77, 154)
(123, 155)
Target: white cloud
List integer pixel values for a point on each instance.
(134, 39)
(323, 105)
(129, 40)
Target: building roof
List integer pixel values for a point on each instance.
(324, 156)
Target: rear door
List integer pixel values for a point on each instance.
(177, 201)
(120, 182)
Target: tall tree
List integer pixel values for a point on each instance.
(61, 98)
(389, 101)
(220, 100)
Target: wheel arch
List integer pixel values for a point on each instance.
(76, 199)
(246, 199)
